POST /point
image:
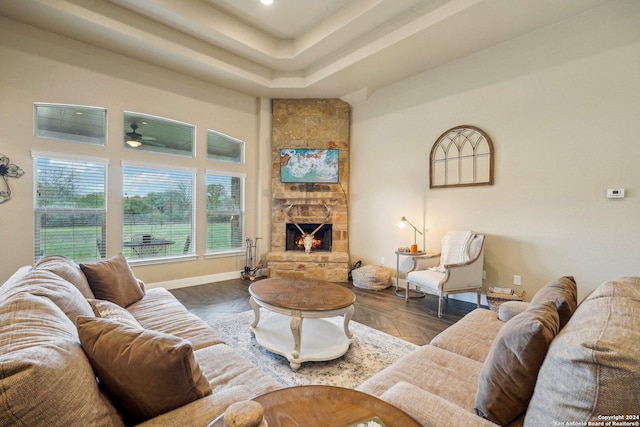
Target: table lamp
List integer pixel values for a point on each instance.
(414, 247)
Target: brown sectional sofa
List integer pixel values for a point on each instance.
(544, 363)
(538, 364)
(47, 379)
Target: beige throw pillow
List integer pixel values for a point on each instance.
(108, 310)
(146, 373)
(68, 270)
(113, 280)
(511, 309)
(508, 376)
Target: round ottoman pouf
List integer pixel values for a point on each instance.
(374, 277)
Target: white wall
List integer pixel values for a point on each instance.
(561, 106)
(38, 66)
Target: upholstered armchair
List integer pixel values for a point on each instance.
(456, 269)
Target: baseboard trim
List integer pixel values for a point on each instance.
(194, 281)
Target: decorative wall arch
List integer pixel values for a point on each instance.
(461, 157)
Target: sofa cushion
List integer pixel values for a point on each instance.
(509, 374)
(467, 339)
(108, 310)
(429, 409)
(68, 270)
(145, 372)
(175, 320)
(45, 377)
(564, 294)
(452, 377)
(598, 350)
(113, 280)
(224, 369)
(49, 285)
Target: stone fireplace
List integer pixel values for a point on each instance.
(313, 124)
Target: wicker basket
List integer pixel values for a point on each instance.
(373, 277)
(495, 300)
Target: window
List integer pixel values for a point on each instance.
(225, 212)
(157, 211)
(224, 148)
(70, 207)
(149, 133)
(71, 123)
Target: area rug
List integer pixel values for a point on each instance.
(370, 352)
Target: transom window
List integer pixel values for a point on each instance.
(76, 123)
(224, 148)
(143, 132)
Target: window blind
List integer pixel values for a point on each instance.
(70, 208)
(225, 212)
(157, 211)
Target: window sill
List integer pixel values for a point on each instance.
(224, 254)
(161, 260)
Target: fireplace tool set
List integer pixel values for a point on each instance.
(250, 272)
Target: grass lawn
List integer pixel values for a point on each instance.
(81, 243)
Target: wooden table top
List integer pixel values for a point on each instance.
(302, 294)
(327, 406)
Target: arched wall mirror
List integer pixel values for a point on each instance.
(461, 157)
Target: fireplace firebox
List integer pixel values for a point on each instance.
(322, 237)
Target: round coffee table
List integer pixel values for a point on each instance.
(294, 300)
(326, 406)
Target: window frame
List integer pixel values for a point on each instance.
(74, 138)
(39, 211)
(210, 253)
(237, 141)
(191, 254)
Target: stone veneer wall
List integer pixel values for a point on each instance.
(310, 123)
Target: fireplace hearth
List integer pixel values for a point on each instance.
(322, 237)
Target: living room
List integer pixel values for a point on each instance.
(558, 100)
(551, 101)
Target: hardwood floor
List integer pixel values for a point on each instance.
(416, 321)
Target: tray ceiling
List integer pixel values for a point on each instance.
(294, 48)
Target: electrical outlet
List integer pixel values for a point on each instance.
(382, 260)
(516, 280)
(484, 275)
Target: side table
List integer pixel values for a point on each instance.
(416, 293)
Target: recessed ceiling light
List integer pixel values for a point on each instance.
(267, 2)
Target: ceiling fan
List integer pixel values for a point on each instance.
(135, 140)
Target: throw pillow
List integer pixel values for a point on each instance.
(593, 365)
(145, 372)
(511, 309)
(508, 376)
(108, 310)
(113, 280)
(68, 270)
(564, 294)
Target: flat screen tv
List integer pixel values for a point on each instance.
(309, 165)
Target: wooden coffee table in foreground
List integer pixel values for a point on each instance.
(326, 406)
(296, 299)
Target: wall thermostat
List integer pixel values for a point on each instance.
(615, 193)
